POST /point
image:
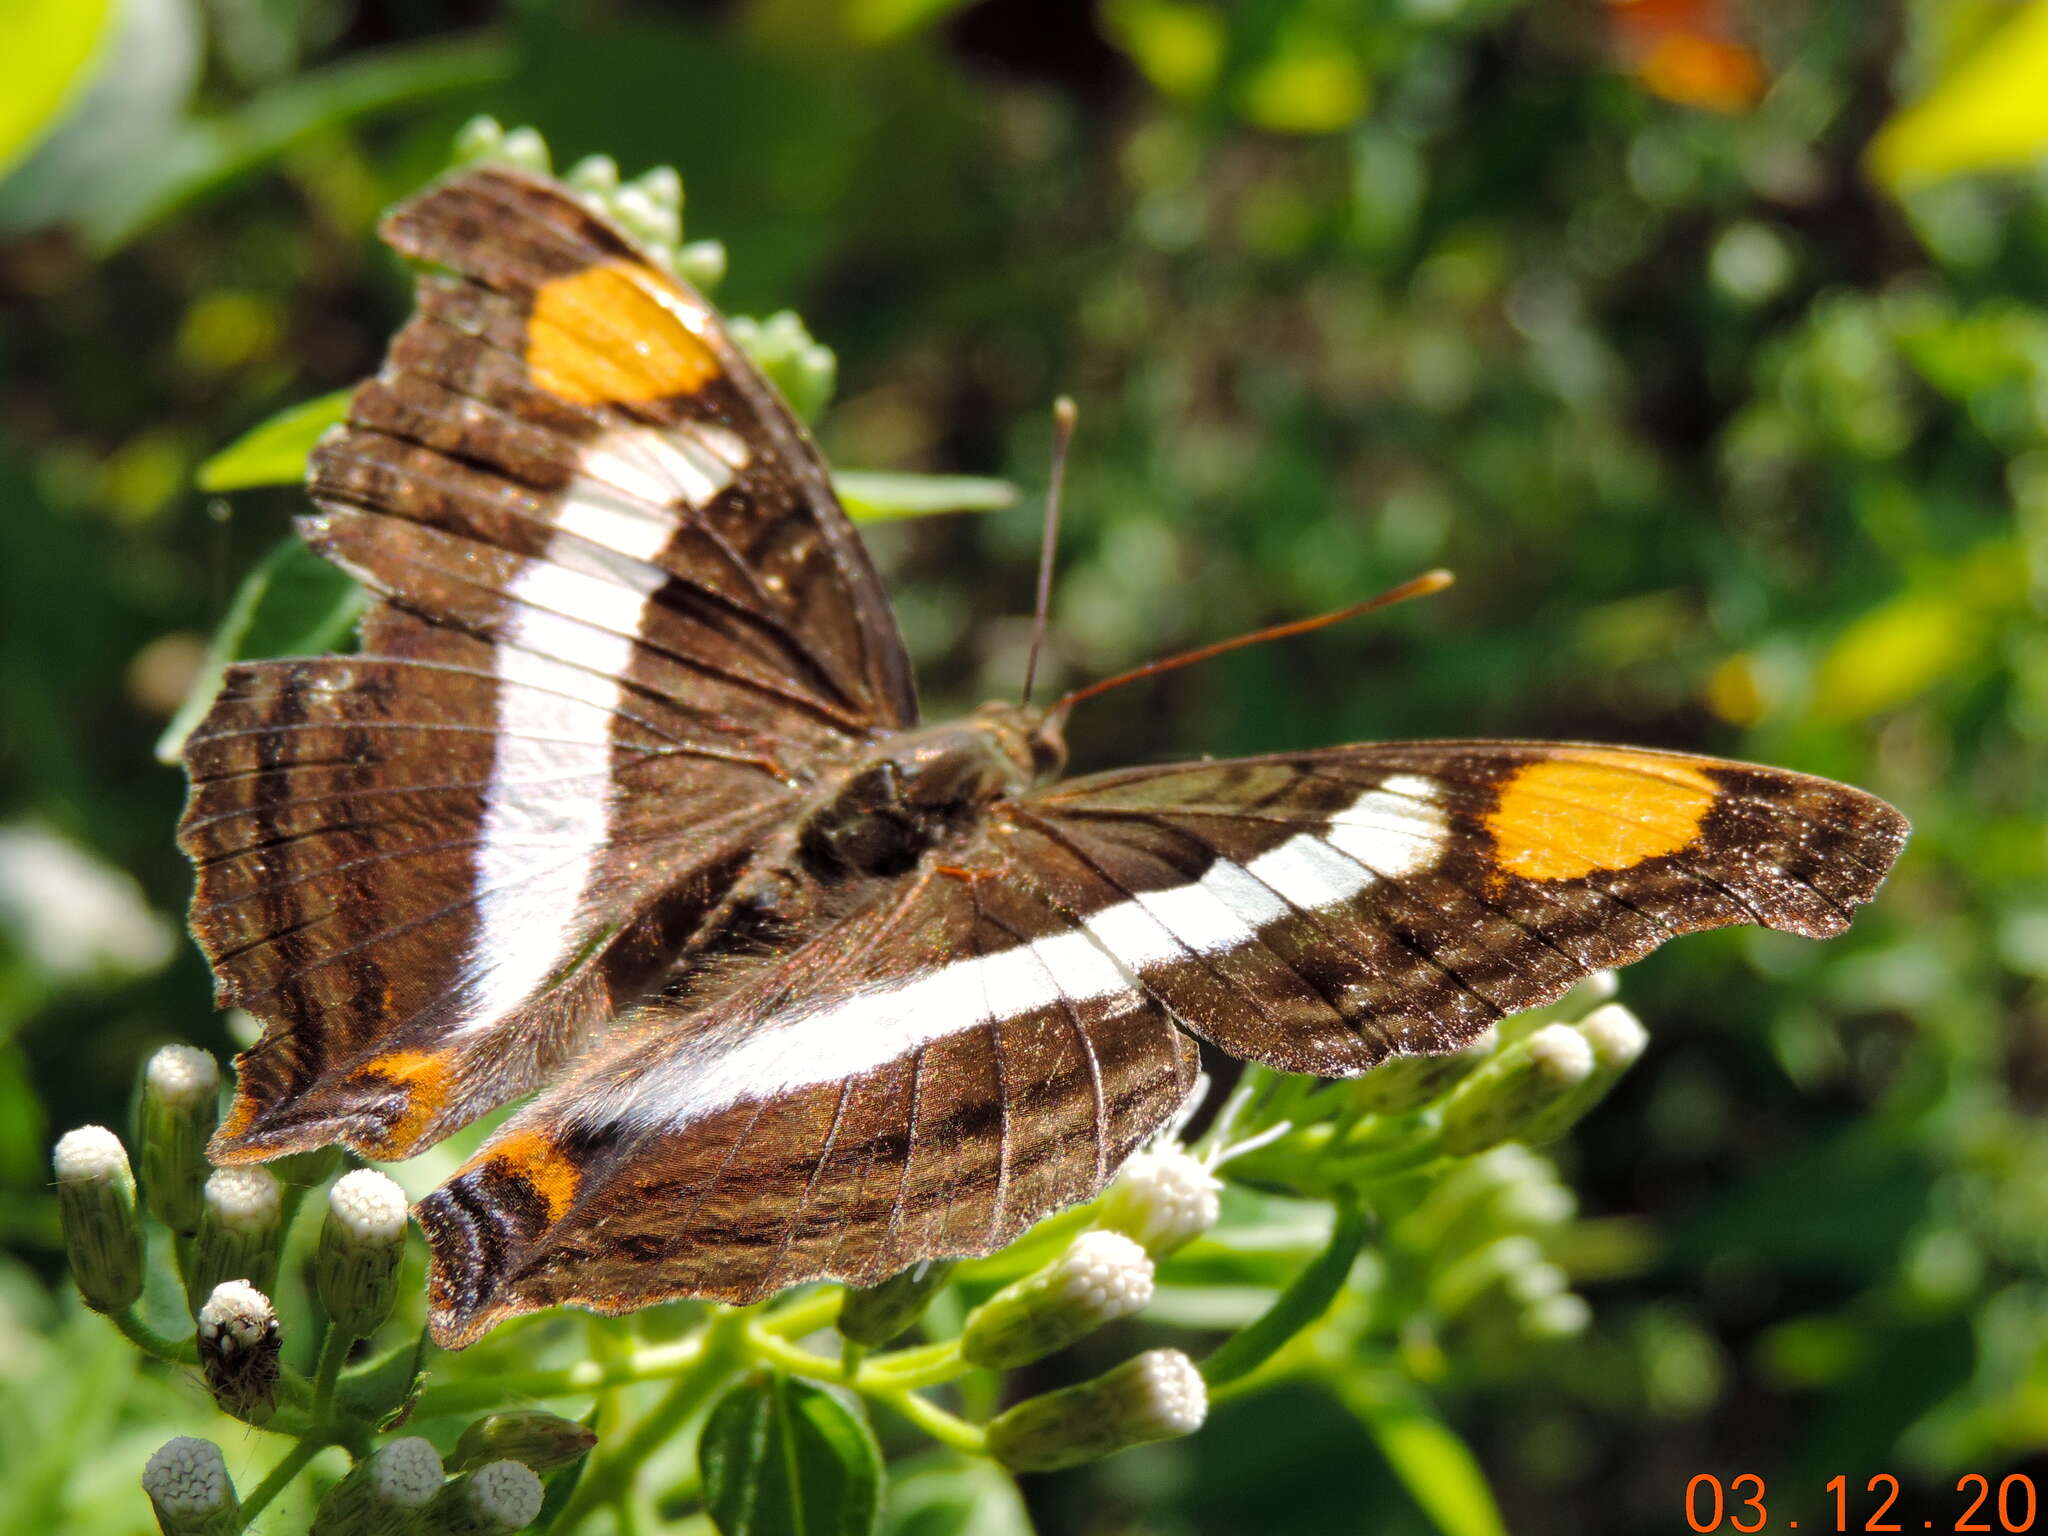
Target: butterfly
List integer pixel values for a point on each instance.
(624, 798)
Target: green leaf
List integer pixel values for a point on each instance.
(383, 1390)
(292, 604)
(1307, 1297)
(1436, 1467)
(953, 1495)
(206, 156)
(783, 1458)
(274, 453)
(51, 45)
(871, 497)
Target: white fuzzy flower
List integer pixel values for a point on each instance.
(236, 1318)
(181, 1075)
(244, 1200)
(1163, 1199)
(90, 1154)
(1616, 1036)
(368, 1206)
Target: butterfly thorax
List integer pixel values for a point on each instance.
(920, 789)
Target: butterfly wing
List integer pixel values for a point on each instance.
(620, 624)
(988, 1042)
(928, 1077)
(1321, 911)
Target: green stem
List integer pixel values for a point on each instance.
(288, 1467)
(585, 1377)
(722, 1354)
(150, 1342)
(939, 1424)
(333, 1355)
(1307, 1298)
(805, 1315)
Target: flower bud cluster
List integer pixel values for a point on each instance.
(649, 207)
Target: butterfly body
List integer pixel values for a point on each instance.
(625, 799)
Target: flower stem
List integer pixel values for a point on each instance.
(583, 1378)
(150, 1342)
(289, 1466)
(721, 1354)
(942, 1426)
(333, 1355)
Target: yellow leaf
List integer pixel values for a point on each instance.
(1893, 653)
(51, 45)
(1306, 88)
(1990, 113)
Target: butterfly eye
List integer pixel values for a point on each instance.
(1048, 753)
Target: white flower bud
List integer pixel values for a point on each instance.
(593, 173)
(1565, 1315)
(1529, 1091)
(96, 1210)
(1159, 1395)
(498, 1497)
(1101, 1277)
(238, 1350)
(180, 1107)
(1163, 1200)
(361, 1243)
(524, 149)
(240, 1224)
(1616, 1035)
(702, 264)
(189, 1488)
(381, 1493)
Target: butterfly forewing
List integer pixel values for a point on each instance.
(1319, 911)
(621, 625)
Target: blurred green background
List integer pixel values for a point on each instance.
(1708, 344)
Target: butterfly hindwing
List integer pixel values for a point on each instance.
(926, 1078)
(620, 621)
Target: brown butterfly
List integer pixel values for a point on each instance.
(625, 798)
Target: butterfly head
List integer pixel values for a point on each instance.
(1033, 741)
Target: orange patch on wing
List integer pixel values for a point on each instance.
(604, 335)
(530, 1156)
(427, 1079)
(1562, 818)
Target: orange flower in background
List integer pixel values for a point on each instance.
(1688, 51)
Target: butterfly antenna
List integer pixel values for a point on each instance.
(1064, 414)
(1419, 586)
